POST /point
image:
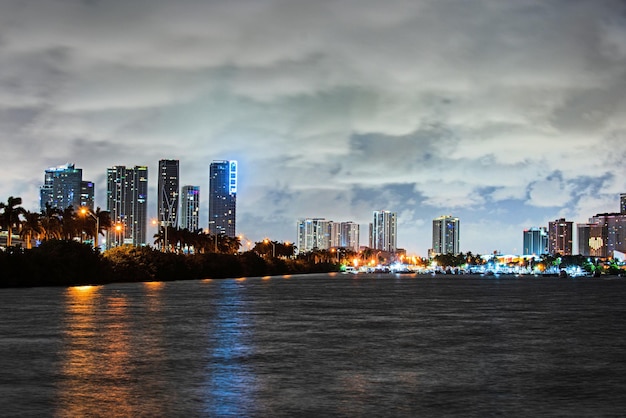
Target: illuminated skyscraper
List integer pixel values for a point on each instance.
(127, 197)
(63, 187)
(87, 194)
(622, 203)
(223, 197)
(560, 237)
(384, 231)
(603, 235)
(190, 210)
(350, 236)
(314, 233)
(167, 189)
(446, 235)
(535, 241)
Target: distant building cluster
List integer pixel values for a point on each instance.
(601, 237)
(127, 198)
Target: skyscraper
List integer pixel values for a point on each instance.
(127, 197)
(87, 194)
(603, 235)
(446, 235)
(384, 231)
(62, 187)
(190, 208)
(560, 237)
(314, 233)
(223, 197)
(622, 203)
(535, 241)
(350, 235)
(167, 189)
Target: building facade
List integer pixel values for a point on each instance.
(190, 208)
(560, 237)
(603, 235)
(87, 194)
(535, 241)
(350, 232)
(63, 187)
(167, 189)
(223, 197)
(127, 198)
(384, 231)
(446, 235)
(314, 234)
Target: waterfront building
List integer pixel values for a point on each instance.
(167, 189)
(350, 236)
(223, 197)
(446, 235)
(314, 234)
(535, 241)
(87, 194)
(190, 211)
(603, 235)
(384, 231)
(560, 237)
(335, 234)
(63, 187)
(127, 197)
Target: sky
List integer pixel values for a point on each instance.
(505, 114)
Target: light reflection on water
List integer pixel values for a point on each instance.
(318, 345)
(230, 383)
(96, 356)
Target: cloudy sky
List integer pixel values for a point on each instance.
(506, 114)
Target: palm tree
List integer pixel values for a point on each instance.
(51, 223)
(10, 215)
(31, 228)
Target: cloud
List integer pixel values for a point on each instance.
(489, 109)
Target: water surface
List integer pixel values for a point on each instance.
(317, 345)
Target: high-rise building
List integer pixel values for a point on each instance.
(87, 194)
(622, 203)
(167, 189)
(314, 233)
(190, 208)
(603, 235)
(223, 197)
(383, 231)
(535, 241)
(560, 237)
(62, 187)
(335, 234)
(127, 197)
(446, 235)
(350, 236)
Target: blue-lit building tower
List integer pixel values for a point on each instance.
(223, 197)
(64, 186)
(535, 241)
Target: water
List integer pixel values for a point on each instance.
(317, 345)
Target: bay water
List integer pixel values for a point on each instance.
(317, 345)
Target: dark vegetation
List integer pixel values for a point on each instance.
(67, 262)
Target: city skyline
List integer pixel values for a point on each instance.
(507, 114)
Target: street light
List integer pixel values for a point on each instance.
(164, 224)
(118, 228)
(273, 247)
(86, 211)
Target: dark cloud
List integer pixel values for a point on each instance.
(333, 108)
